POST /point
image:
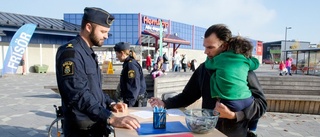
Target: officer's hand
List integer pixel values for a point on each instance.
(125, 122)
(119, 107)
(224, 111)
(156, 102)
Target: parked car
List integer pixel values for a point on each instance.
(267, 61)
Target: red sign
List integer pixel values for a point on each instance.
(149, 21)
(259, 48)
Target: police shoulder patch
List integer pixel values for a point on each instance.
(69, 45)
(131, 74)
(68, 68)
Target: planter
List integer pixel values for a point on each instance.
(41, 69)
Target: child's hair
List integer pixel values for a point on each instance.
(240, 45)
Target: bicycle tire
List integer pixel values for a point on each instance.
(57, 130)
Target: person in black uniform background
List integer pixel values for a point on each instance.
(86, 109)
(132, 82)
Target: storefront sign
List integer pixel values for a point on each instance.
(148, 21)
(153, 24)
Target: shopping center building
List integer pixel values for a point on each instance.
(140, 30)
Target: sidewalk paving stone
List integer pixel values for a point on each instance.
(26, 109)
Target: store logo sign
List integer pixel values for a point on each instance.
(148, 21)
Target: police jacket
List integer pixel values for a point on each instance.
(197, 87)
(79, 82)
(132, 82)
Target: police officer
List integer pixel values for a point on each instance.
(132, 81)
(86, 109)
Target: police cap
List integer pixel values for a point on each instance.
(98, 16)
(121, 46)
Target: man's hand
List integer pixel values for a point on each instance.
(119, 107)
(224, 111)
(125, 122)
(156, 102)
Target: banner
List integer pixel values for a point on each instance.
(17, 48)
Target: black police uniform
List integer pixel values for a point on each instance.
(132, 84)
(85, 106)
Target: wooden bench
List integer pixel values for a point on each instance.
(155, 88)
(105, 89)
(111, 81)
(302, 104)
(298, 94)
(170, 85)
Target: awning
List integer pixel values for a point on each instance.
(168, 38)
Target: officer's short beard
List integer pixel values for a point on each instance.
(94, 40)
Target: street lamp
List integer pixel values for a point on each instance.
(285, 42)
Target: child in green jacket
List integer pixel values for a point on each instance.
(229, 82)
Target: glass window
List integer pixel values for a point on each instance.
(135, 16)
(302, 59)
(129, 16)
(123, 28)
(123, 35)
(129, 22)
(129, 28)
(116, 35)
(116, 22)
(123, 16)
(317, 64)
(135, 22)
(79, 16)
(116, 28)
(123, 22)
(312, 62)
(129, 34)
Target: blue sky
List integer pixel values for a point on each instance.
(263, 20)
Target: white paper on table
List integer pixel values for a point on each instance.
(143, 114)
(175, 112)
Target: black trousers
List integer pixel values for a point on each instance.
(96, 130)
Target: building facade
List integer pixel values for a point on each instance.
(140, 30)
(305, 57)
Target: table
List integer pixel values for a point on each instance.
(122, 132)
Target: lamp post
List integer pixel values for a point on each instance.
(285, 42)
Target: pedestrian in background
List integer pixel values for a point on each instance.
(184, 62)
(282, 68)
(288, 65)
(176, 62)
(165, 65)
(148, 63)
(157, 68)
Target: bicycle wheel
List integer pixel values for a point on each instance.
(55, 129)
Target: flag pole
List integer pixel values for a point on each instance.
(160, 37)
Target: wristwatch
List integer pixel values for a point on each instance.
(112, 103)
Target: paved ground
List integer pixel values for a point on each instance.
(26, 109)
